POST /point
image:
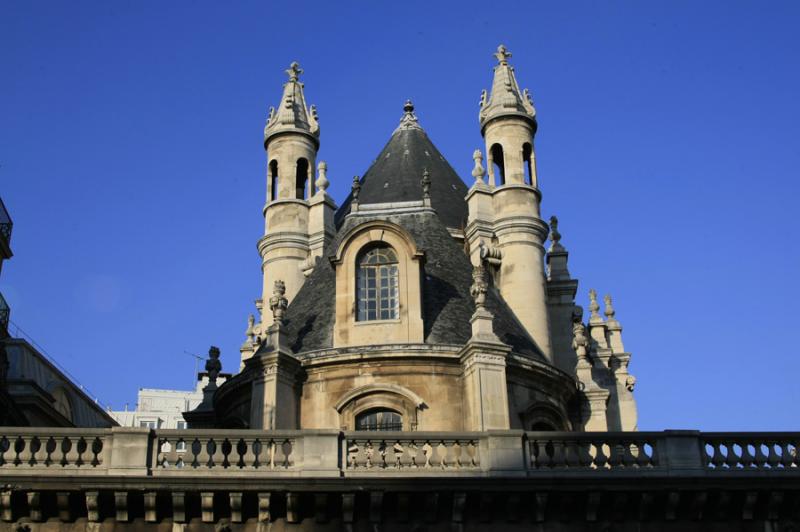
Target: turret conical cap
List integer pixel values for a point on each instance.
(292, 115)
(506, 98)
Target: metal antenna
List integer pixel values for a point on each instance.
(197, 360)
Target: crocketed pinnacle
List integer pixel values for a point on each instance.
(292, 114)
(506, 98)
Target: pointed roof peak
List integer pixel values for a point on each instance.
(506, 98)
(409, 120)
(292, 115)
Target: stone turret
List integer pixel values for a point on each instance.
(298, 213)
(504, 222)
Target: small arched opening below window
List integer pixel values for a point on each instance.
(301, 180)
(273, 180)
(498, 164)
(527, 164)
(377, 284)
(542, 426)
(379, 419)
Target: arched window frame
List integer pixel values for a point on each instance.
(302, 178)
(498, 165)
(377, 280)
(544, 413)
(408, 326)
(528, 168)
(380, 396)
(273, 180)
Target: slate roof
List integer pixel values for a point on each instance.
(447, 304)
(397, 171)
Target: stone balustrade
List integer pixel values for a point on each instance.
(127, 451)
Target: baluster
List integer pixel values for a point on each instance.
(204, 454)
(558, 453)
(717, 459)
(259, 450)
(381, 457)
(81, 448)
(161, 457)
(353, 450)
(427, 451)
(796, 453)
(733, 459)
(615, 454)
(23, 451)
(399, 455)
(571, 454)
(761, 456)
(244, 450)
(544, 454)
(583, 448)
(70, 450)
(220, 456)
(5, 448)
(456, 453)
(474, 453)
(602, 454)
(786, 454)
(747, 457)
(196, 448)
(441, 455)
(413, 453)
(643, 457)
(629, 452)
(774, 459)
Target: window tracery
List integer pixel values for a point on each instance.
(377, 284)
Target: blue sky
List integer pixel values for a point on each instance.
(131, 160)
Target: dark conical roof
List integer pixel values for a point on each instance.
(396, 174)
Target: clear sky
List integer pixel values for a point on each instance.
(131, 160)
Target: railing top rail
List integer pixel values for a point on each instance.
(10, 432)
(749, 435)
(243, 433)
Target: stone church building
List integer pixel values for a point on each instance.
(416, 361)
(420, 303)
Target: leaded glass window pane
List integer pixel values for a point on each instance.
(379, 420)
(377, 285)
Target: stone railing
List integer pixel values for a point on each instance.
(411, 451)
(42, 452)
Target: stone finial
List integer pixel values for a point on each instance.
(580, 343)
(502, 54)
(478, 171)
(609, 310)
(278, 302)
(355, 189)
(594, 307)
(250, 332)
(555, 236)
(426, 184)
(479, 287)
(409, 120)
(322, 180)
(213, 365)
(294, 71)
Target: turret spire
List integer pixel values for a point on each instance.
(292, 114)
(409, 119)
(506, 98)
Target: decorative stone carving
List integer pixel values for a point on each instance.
(594, 307)
(478, 171)
(479, 287)
(555, 236)
(213, 365)
(278, 302)
(355, 189)
(426, 185)
(579, 342)
(409, 119)
(322, 179)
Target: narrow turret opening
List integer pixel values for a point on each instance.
(498, 164)
(301, 181)
(273, 180)
(527, 152)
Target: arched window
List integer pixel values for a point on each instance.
(498, 164)
(527, 151)
(377, 284)
(542, 426)
(301, 179)
(379, 419)
(273, 180)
